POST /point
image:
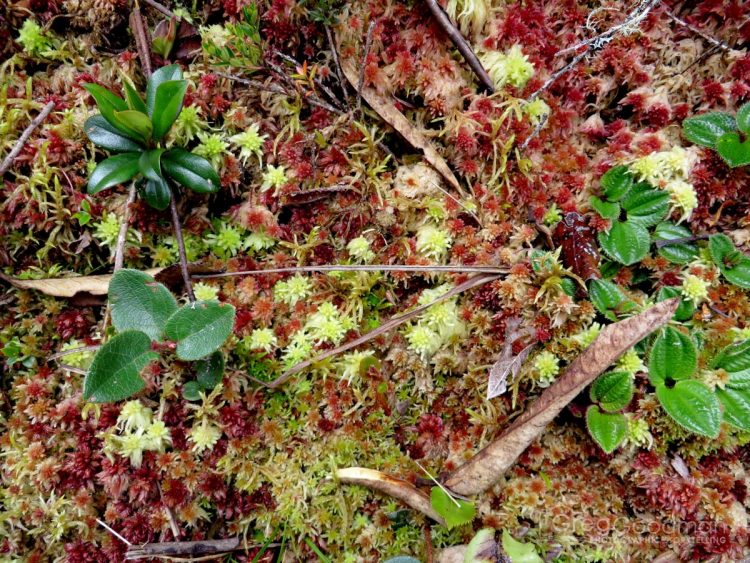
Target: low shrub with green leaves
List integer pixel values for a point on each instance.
(147, 322)
(135, 129)
(727, 134)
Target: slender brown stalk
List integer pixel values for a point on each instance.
(337, 62)
(163, 9)
(36, 122)
(392, 323)
(461, 44)
(181, 247)
(715, 42)
(142, 42)
(361, 81)
(122, 235)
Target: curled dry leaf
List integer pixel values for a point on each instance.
(68, 287)
(397, 488)
(391, 115)
(508, 363)
(485, 468)
(579, 248)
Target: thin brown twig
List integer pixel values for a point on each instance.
(122, 234)
(64, 353)
(331, 96)
(461, 44)
(361, 81)
(392, 323)
(458, 269)
(163, 9)
(142, 43)
(711, 40)
(681, 240)
(195, 550)
(337, 62)
(181, 247)
(36, 122)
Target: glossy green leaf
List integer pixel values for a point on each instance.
(607, 429)
(158, 77)
(607, 209)
(743, 118)
(693, 405)
(139, 302)
(157, 193)
(167, 105)
(616, 182)
(150, 164)
(519, 552)
(190, 170)
(736, 403)
(734, 265)
(112, 171)
(455, 512)
(135, 123)
(115, 372)
(707, 128)
(735, 360)
(685, 309)
(209, 371)
(673, 356)
(646, 205)
(612, 390)
(133, 98)
(733, 150)
(108, 103)
(107, 136)
(191, 391)
(626, 242)
(200, 328)
(678, 253)
(606, 297)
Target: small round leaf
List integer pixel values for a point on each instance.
(200, 328)
(736, 403)
(138, 302)
(707, 128)
(616, 182)
(612, 390)
(673, 356)
(607, 429)
(693, 405)
(678, 253)
(626, 243)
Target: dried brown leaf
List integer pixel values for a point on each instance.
(507, 363)
(68, 287)
(386, 109)
(397, 488)
(485, 468)
(579, 248)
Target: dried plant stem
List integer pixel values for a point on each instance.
(363, 65)
(64, 353)
(331, 96)
(163, 9)
(392, 323)
(489, 465)
(461, 44)
(457, 269)
(142, 43)
(715, 42)
(36, 122)
(122, 235)
(337, 62)
(181, 247)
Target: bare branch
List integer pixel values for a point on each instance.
(458, 269)
(36, 122)
(181, 247)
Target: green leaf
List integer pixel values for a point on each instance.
(734, 265)
(626, 243)
(200, 328)
(157, 194)
(607, 429)
(735, 360)
(733, 150)
(167, 105)
(646, 205)
(736, 404)
(132, 97)
(106, 136)
(455, 512)
(209, 371)
(108, 103)
(616, 182)
(692, 405)
(707, 128)
(606, 297)
(115, 372)
(482, 548)
(679, 253)
(134, 123)
(607, 209)
(191, 391)
(519, 552)
(112, 171)
(150, 164)
(673, 356)
(139, 302)
(743, 118)
(190, 170)
(685, 309)
(613, 390)
(158, 77)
